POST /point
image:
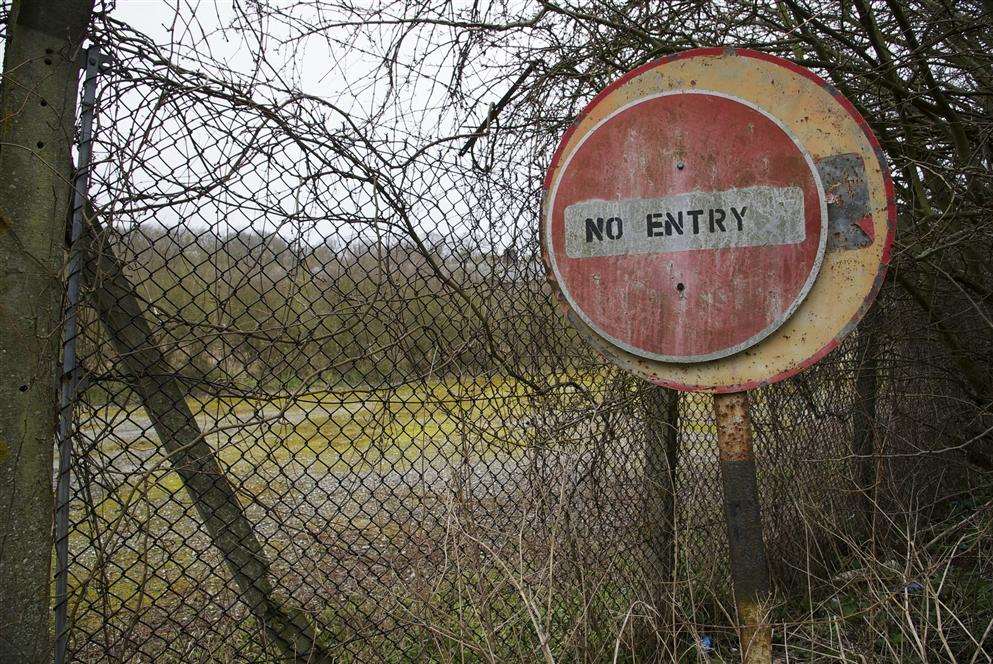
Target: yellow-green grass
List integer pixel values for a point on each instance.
(258, 441)
(263, 444)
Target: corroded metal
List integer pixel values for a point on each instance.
(755, 633)
(860, 215)
(734, 435)
(849, 215)
(749, 568)
(635, 242)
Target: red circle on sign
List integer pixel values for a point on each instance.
(686, 226)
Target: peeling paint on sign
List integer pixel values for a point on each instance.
(848, 201)
(748, 217)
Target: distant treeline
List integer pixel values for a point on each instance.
(245, 309)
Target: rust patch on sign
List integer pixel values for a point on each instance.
(847, 192)
(734, 428)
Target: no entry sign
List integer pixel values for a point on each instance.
(687, 226)
(717, 220)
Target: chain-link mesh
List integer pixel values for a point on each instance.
(330, 407)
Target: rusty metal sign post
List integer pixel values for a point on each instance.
(716, 221)
(749, 566)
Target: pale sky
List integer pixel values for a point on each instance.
(211, 24)
(338, 73)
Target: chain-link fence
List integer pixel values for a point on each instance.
(327, 407)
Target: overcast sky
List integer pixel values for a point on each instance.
(210, 25)
(338, 73)
(322, 65)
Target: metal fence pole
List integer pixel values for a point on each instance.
(749, 568)
(70, 376)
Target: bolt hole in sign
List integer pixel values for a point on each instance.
(717, 220)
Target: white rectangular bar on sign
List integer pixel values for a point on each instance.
(749, 217)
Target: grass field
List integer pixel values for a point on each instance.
(340, 486)
(398, 520)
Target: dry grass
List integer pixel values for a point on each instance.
(411, 527)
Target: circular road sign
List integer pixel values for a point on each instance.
(717, 220)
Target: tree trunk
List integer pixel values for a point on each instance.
(37, 114)
(216, 500)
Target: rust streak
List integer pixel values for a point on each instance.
(734, 428)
